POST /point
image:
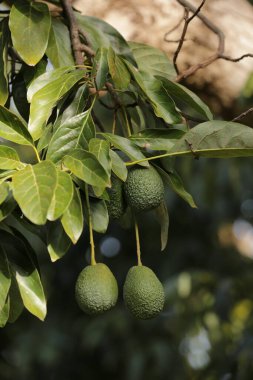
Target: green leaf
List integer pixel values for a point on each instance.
(4, 313)
(44, 100)
(9, 158)
(85, 166)
(119, 73)
(99, 215)
(33, 189)
(31, 289)
(75, 132)
(58, 243)
(4, 191)
(217, 139)
(100, 67)
(159, 98)
(157, 139)
(62, 197)
(5, 278)
(126, 146)
(30, 25)
(4, 37)
(44, 79)
(176, 183)
(7, 206)
(163, 218)
(72, 219)
(104, 35)
(118, 166)
(152, 60)
(183, 97)
(100, 149)
(25, 272)
(78, 104)
(13, 129)
(16, 303)
(59, 47)
(45, 138)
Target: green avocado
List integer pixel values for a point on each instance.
(144, 189)
(143, 293)
(96, 289)
(117, 205)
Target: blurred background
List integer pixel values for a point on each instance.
(206, 329)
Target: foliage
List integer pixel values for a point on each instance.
(81, 124)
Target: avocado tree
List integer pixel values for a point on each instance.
(90, 125)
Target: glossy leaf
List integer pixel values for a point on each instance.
(183, 97)
(9, 158)
(75, 132)
(72, 220)
(5, 278)
(173, 180)
(118, 166)
(100, 149)
(152, 60)
(30, 25)
(217, 139)
(31, 290)
(4, 313)
(103, 34)
(58, 243)
(62, 196)
(85, 166)
(126, 146)
(4, 37)
(59, 47)
(7, 206)
(163, 218)
(78, 104)
(4, 191)
(157, 139)
(44, 100)
(99, 215)
(119, 73)
(100, 67)
(44, 79)
(16, 303)
(13, 129)
(45, 138)
(33, 189)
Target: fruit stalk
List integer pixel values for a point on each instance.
(138, 247)
(92, 245)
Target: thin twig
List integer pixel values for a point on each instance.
(181, 41)
(173, 29)
(219, 54)
(242, 115)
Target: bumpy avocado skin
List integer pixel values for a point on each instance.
(144, 189)
(143, 293)
(117, 205)
(96, 289)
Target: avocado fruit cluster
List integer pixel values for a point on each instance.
(142, 191)
(96, 291)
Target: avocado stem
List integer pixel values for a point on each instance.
(92, 245)
(138, 247)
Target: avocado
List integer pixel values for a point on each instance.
(117, 205)
(96, 289)
(143, 293)
(144, 189)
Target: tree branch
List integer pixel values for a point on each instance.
(242, 115)
(77, 47)
(219, 54)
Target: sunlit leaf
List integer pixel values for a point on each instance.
(30, 25)
(118, 166)
(33, 189)
(72, 220)
(4, 37)
(5, 278)
(62, 196)
(13, 129)
(9, 158)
